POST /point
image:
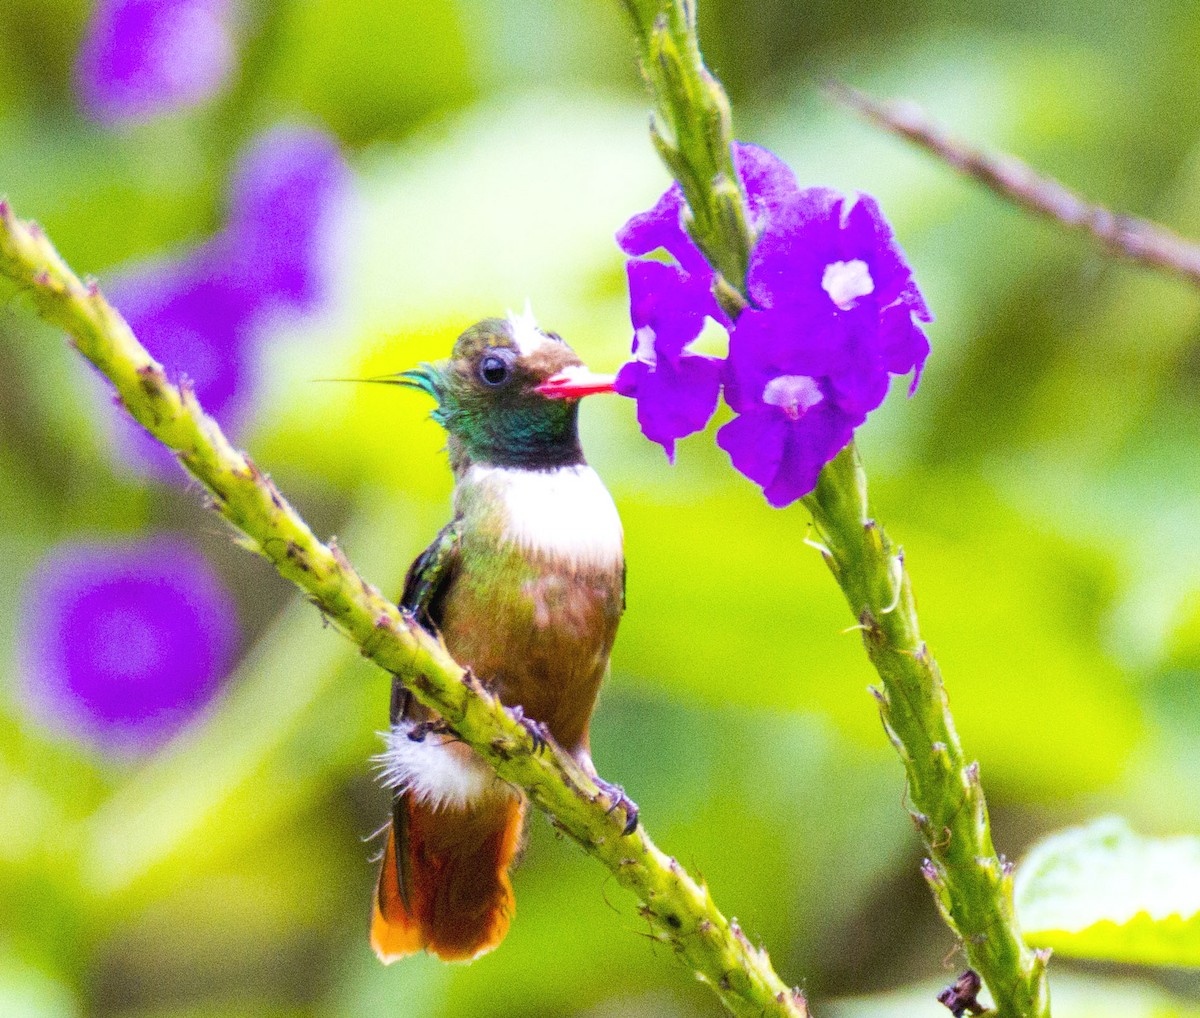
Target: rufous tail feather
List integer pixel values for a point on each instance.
(458, 901)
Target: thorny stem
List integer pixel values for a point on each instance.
(971, 884)
(692, 130)
(678, 907)
(1015, 181)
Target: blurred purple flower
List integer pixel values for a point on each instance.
(834, 313)
(199, 313)
(143, 58)
(121, 644)
(195, 317)
(283, 190)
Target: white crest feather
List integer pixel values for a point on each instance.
(433, 770)
(525, 331)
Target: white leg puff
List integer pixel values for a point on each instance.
(435, 769)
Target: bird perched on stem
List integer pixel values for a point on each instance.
(526, 586)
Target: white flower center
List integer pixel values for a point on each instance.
(845, 282)
(643, 346)
(795, 395)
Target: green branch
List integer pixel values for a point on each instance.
(680, 910)
(971, 884)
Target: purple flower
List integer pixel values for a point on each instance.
(676, 391)
(121, 644)
(143, 58)
(829, 269)
(788, 425)
(834, 314)
(199, 313)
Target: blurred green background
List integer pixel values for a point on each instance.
(1044, 484)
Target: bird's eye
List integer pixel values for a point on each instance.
(494, 369)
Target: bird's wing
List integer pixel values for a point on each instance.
(430, 575)
(425, 589)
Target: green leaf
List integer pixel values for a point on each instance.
(1103, 891)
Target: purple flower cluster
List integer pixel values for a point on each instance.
(198, 313)
(143, 58)
(121, 645)
(833, 314)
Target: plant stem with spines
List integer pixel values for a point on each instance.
(972, 885)
(692, 131)
(679, 908)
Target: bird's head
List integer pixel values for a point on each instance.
(508, 395)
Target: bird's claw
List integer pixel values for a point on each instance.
(538, 732)
(621, 801)
(421, 729)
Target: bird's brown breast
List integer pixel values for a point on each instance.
(538, 629)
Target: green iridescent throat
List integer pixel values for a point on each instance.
(509, 427)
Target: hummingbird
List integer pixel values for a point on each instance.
(526, 587)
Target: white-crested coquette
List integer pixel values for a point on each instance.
(526, 587)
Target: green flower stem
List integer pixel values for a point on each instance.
(692, 130)
(971, 884)
(679, 908)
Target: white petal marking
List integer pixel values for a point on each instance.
(643, 348)
(795, 395)
(845, 282)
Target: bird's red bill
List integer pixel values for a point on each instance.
(576, 382)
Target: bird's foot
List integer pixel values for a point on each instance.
(421, 729)
(538, 732)
(618, 798)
